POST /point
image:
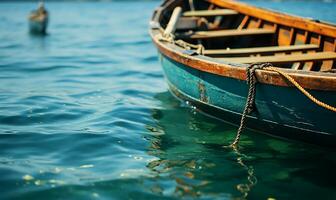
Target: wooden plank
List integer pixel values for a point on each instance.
(296, 65)
(292, 39)
(243, 22)
(259, 23)
(208, 13)
(328, 65)
(215, 24)
(306, 37)
(191, 5)
(225, 33)
(284, 58)
(292, 36)
(279, 18)
(171, 27)
(309, 66)
(187, 23)
(255, 50)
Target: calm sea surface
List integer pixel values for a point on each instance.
(85, 114)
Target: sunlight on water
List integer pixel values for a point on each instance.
(85, 114)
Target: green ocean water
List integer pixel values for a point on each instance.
(85, 114)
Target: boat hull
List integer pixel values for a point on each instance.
(38, 26)
(280, 111)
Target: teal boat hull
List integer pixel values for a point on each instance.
(38, 27)
(280, 111)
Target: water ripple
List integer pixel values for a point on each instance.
(85, 114)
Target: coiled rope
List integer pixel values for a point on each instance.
(250, 101)
(199, 48)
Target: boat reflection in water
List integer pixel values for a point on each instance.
(193, 156)
(38, 20)
(192, 162)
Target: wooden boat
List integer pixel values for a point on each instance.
(206, 46)
(38, 20)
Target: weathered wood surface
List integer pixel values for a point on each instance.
(171, 27)
(284, 58)
(286, 33)
(187, 23)
(256, 50)
(308, 80)
(225, 33)
(278, 18)
(207, 13)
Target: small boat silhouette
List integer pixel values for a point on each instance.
(38, 20)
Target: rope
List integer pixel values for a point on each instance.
(249, 106)
(299, 87)
(250, 101)
(199, 47)
(170, 39)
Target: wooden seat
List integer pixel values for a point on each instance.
(187, 23)
(224, 33)
(318, 56)
(206, 13)
(259, 50)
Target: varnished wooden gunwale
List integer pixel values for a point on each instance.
(226, 33)
(309, 80)
(284, 58)
(207, 13)
(278, 18)
(257, 50)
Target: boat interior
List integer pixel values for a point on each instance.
(239, 33)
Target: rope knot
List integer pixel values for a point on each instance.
(251, 80)
(250, 72)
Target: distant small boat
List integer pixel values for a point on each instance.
(38, 20)
(206, 48)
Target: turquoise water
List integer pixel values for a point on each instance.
(85, 114)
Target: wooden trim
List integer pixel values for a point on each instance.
(296, 66)
(279, 18)
(187, 23)
(308, 65)
(292, 36)
(284, 58)
(255, 50)
(172, 24)
(259, 23)
(208, 13)
(331, 62)
(308, 80)
(225, 33)
(243, 22)
(211, 7)
(306, 37)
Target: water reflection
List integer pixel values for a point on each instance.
(40, 41)
(193, 163)
(193, 155)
